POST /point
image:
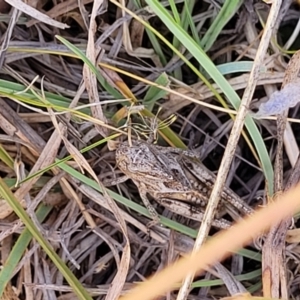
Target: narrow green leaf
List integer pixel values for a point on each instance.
(18, 249)
(154, 93)
(215, 282)
(227, 11)
(6, 158)
(143, 211)
(59, 263)
(83, 57)
(219, 79)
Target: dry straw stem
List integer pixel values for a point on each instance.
(34, 13)
(229, 241)
(233, 140)
(274, 265)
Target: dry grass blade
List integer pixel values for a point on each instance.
(123, 265)
(46, 157)
(20, 5)
(88, 76)
(72, 280)
(62, 89)
(99, 199)
(117, 285)
(9, 294)
(234, 286)
(274, 263)
(60, 9)
(15, 16)
(229, 241)
(12, 124)
(232, 141)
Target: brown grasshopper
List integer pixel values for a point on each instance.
(174, 178)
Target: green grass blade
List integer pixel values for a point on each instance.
(187, 9)
(237, 67)
(100, 78)
(6, 158)
(227, 11)
(18, 249)
(154, 93)
(215, 282)
(69, 157)
(219, 79)
(143, 211)
(153, 39)
(8, 88)
(59, 263)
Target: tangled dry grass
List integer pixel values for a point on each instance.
(69, 71)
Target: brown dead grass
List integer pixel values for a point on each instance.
(92, 238)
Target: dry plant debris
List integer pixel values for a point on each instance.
(54, 105)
